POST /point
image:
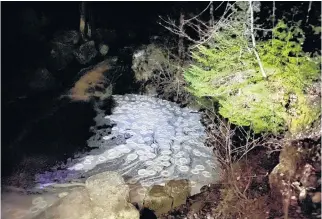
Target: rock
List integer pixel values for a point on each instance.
(147, 60)
(67, 37)
(109, 195)
(197, 206)
(128, 212)
(137, 193)
(60, 55)
(158, 200)
(179, 190)
(86, 52)
(293, 167)
(62, 194)
(103, 49)
(175, 192)
(284, 171)
(107, 183)
(42, 80)
(62, 48)
(76, 205)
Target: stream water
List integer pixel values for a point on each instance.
(147, 140)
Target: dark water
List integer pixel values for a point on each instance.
(45, 124)
(57, 132)
(42, 123)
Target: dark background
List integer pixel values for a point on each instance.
(27, 53)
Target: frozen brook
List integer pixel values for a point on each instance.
(151, 141)
(148, 141)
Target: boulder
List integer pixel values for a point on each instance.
(67, 37)
(137, 193)
(104, 195)
(110, 195)
(297, 166)
(76, 205)
(62, 48)
(179, 190)
(61, 55)
(158, 200)
(86, 52)
(173, 194)
(147, 60)
(103, 49)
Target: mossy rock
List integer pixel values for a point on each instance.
(179, 190)
(292, 161)
(147, 60)
(291, 158)
(158, 200)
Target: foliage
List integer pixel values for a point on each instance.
(294, 72)
(160, 74)
(227, 71)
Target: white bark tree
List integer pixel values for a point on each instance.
(82, 25)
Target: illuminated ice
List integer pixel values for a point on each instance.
(151, 141)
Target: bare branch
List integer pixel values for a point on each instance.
(256, 28)
(201, 28)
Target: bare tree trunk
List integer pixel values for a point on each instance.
(273, 20)
(273, 16)
(308, 12)
(181, 50)
(82, 24)
(211, 11)
(254, 41)
(89, 23)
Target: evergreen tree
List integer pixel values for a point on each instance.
(227, 70)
